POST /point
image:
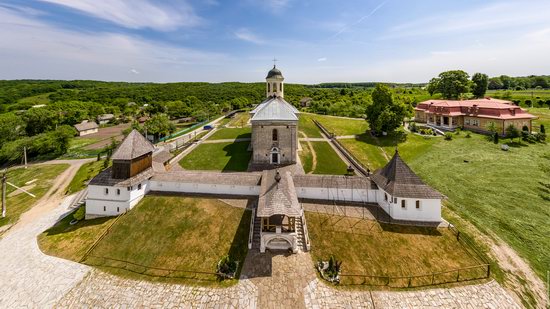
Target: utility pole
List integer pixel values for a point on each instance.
(25, 155)
(4, 179)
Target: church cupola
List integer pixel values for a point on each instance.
(274, 83)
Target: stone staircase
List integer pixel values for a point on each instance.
(301, 237)
(79, 199)
(256, 234)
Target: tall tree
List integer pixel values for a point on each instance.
(159, 125)
(480, 83)
(450, 84)
(385, 114)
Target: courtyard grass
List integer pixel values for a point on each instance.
(306, 125)
(84, 174)
(342, 126)
(367, 247)
(174, 232)
(306, 157)
(328, 161)
(218, 157)
(231, 133)
(240, 120)
(41, 176)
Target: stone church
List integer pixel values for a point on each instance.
(274, 125)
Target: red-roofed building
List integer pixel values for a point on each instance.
(475, 115)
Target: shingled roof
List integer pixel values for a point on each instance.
(397, 179)
(132, 147)
(278, 198)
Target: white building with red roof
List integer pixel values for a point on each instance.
(475, 115)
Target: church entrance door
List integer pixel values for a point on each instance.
(275, 158)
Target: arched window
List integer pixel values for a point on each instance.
(275, 135)
(268, 87)
(274, 87)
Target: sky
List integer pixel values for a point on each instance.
(313, 41)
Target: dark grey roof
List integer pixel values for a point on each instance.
(84, 126)
(105, 117)
(274, 72)
(397, 179)
(216, 178)
(132, 147)
(105, 179)
(332, 181)
(275, 108)
(162, 157)
(278, 199)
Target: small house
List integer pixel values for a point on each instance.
(105, 118)
(86, 127)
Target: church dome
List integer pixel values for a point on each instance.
(274, 72)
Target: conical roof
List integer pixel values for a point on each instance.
(397, 179)
(132, 147)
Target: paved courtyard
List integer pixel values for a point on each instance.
(34, 280)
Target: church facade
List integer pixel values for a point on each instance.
(274, 125)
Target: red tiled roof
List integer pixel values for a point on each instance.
(484, 108)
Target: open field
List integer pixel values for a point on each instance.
(169, 232)
(84, 174)
(501, 192)
(328, 161)
(307, 126)
(342, 126)
(544, 118)
(231, 133)
(306, 157)
(367, 247)
(240, 120)
(218, 157)
(37, 180)
(36, 100)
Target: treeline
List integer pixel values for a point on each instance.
(519, 83)
(368, 85)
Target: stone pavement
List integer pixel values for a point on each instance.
(102, 290)
(28, 277)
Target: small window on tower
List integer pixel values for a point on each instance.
(268, 87)
(275, 135)
(274, 87)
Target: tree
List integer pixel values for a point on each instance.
(11, 127)
(385, 114)
(450, 84)
(512, 132)
(542, 129)
(495, 83)
(433, 86)
(480, 84)
(506, 81)
(540, 81)
(40, 120)
(159, 125)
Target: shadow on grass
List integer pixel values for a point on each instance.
(392, 139)
(239, 157)
(239, 246)
(404, 229)
(64, 225)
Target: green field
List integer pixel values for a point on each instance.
(307, 126)
(41, 176)
(218, 157)
(85, 173)
(328, 161)
(544, 118)
(367, 247)
(231, 133)
(342, 126)
(305, 157)
(503, 192)
(36, 100)
(181, 233)
(240, 119)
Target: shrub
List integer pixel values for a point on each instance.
(512, 132)
(542, 129)
(334, 267)
(80, 213)
(468, 134)
(540, 103)
(448, 136)
(528, 103)
(457, 131)
(226, 267)
(525, 129)
(540, 137)
(495, 138)
(413, 127)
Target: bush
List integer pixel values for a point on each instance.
(495, 138)
(540, 103)
(226, 267)
(457, 131)
(468, 134)
(80, 213)
(540, 137)
(448, 136)
(528, 103)
(542, 129)
(413, 127)
(525, 129)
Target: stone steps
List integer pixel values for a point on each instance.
(301, 238)
(256, 234)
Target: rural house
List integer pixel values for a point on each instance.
(86, 127)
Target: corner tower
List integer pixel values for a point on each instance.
(274, 83)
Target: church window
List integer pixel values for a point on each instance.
(104, 208)
(417, 204)
(275, 134)
(268, 87)
(274, 87)
(118, 209)
(395, 200)
(403, 204)
(106, 190)
(117, 191)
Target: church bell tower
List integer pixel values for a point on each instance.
(274, 83)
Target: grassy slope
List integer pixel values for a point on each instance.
(240, 120)
(86, 172)
(231, 133)
(343, 126)
(544, 118)
(178, 233)
(328, 161)
(18, 204)
(37, 99)
(367, 247)
(218, 156)
(307, 126)
(306, 157)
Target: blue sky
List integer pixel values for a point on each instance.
(314, 41)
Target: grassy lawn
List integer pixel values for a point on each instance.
(240, 120)
(41, 176)
(72, 241)
(368, 247)
(37, 99)
(306, 125)
(176, 232)
(306, 157)
(86, 172)
(218, 156)
(328, 161)
(544, 118)
(343, 126)
(502, 192)
(77, 145)
(231, 133)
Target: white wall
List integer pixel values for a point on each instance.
(429, 211)
(101, 203)
(165, 186)
(349, 195)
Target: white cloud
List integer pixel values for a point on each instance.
(136, 14)
(32, 49)
(246, 35)
(134, 71)
(323, 59)
(360, 20)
